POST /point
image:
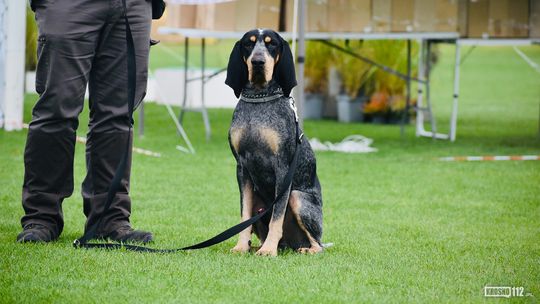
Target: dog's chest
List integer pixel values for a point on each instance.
(260, 128)
(263, 139)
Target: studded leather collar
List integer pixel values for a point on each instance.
(262, 97)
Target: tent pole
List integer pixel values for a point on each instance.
(300, 61)
(453, 119)
(12, 99)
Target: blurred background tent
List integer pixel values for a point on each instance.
(400, 36)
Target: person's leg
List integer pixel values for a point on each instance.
(109, 119)
(68, 32)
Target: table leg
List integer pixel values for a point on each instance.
(186, 68)
(453, 119)
(405, 115)
(203, 83)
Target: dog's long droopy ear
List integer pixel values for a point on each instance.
(284, 72)
(237, 72)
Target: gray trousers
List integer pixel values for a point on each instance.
(80, 43)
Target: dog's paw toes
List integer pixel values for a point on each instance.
(254, 248)
(267, 252)
(240, 249)
(310, 250)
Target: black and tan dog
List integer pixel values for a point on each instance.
(262, 139)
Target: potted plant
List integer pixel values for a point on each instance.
(354, 75)
(377, 107)
(316, 69)
(387, 103)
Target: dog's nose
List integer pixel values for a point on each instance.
(257, 62)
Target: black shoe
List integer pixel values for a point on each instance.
(126, 234)
(35, 233)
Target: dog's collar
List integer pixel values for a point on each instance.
(262, 97)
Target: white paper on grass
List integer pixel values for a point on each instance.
(350, 144)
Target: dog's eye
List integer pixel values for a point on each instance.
(248, 44)
(271, 43)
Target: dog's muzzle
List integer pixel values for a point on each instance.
(257, 64)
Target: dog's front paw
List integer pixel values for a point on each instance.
(264, 251)
(240, 248)
(311, 250)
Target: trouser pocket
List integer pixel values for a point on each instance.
(42, 69)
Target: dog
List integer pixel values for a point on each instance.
(263, 139)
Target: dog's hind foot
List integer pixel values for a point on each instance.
(311, 250)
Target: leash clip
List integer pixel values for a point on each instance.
(293, 107)
(76, 243)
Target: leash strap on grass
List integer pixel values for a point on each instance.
(90, 233)
(223, 236)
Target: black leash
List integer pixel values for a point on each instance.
(90, 233)
(115, 183)
(223, 236)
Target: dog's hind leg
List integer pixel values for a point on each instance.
(246, 206)
(309, 218)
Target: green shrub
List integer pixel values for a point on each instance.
(393, 54)
(355, 73)
(318, 60)
(31, 41)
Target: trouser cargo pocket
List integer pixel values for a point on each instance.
(42, 69)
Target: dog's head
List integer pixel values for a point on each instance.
(259, 57)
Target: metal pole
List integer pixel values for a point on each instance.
(203, 82)
(419, 103)
(12, 98)
(294, 32)
(405, 116)
(180, 131)
(141, 119)
(428, 92)
(300, 59)
(203, 47)
(3, 41)
(282, 15)
(186, 67)
(453, 119)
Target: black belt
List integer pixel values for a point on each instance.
(90, 233)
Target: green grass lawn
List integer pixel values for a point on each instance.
(406, 227)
